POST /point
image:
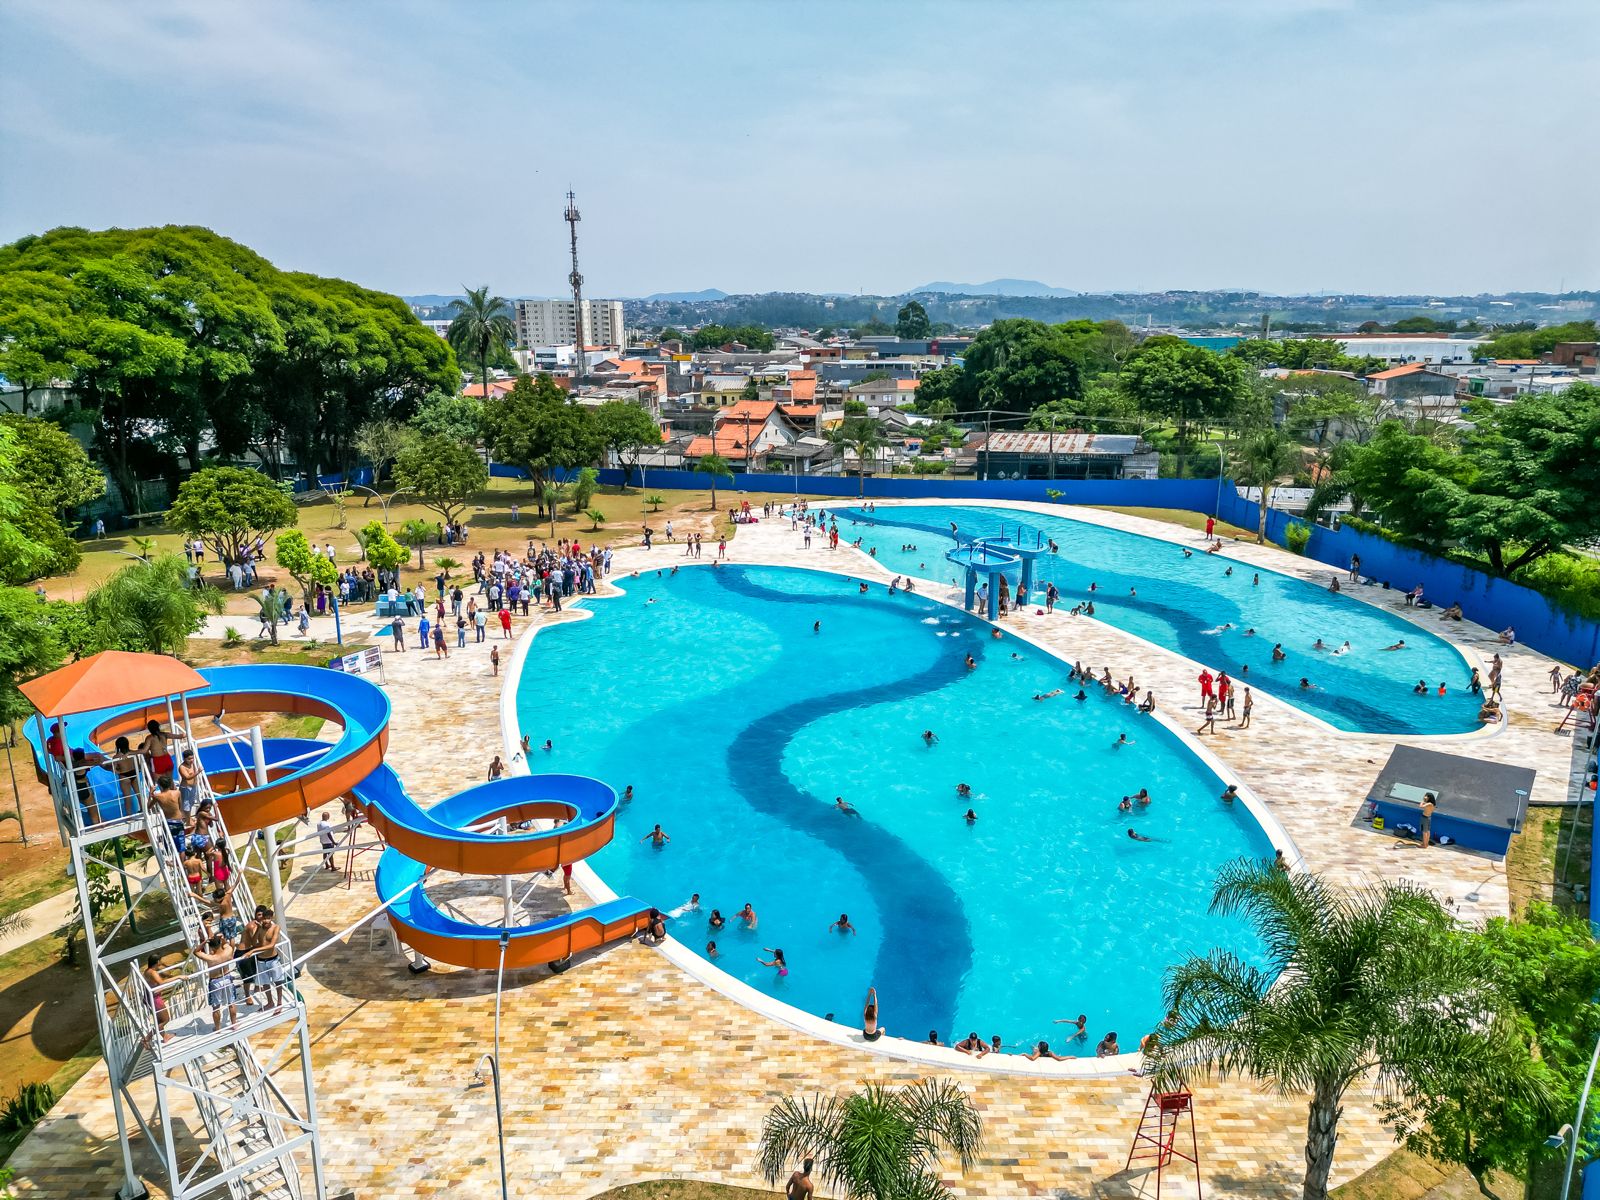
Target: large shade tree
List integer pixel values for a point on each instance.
(229, 508)
(627, 430)
(481, 325)
(1370, 982)
(442, 474)
(537, 427)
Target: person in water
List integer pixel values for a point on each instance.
(1139, 837)
(842, 925)
(971, 817)
(847, 809)
(656, 838)
(775, 961)
(964, 790)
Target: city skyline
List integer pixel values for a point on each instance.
(1283, 148)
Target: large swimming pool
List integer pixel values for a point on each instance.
(737, 724)
(1183, 603)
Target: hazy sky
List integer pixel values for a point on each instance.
(869, 146)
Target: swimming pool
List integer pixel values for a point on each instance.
(1182, 603)
(737, 724)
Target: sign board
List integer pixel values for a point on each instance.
(362, 662)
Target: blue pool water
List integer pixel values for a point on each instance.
(1179, 600)
(737, 726)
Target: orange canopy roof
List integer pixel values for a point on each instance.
(108, 679)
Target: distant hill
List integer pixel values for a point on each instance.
(997, 287)
(708, 294)
(430, 301)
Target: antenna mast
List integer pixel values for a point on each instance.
(576, 279)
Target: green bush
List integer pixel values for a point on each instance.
(1295, 536)
(584, 487)
(230, 636)
(27, 1107)
(1568, 580)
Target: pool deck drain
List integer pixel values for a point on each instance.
(626, 1068)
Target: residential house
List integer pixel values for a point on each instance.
(1418, 391)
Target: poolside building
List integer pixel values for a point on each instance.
(1039, 454)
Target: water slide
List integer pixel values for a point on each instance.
(302, 775)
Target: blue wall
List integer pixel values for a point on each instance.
(1483, 598)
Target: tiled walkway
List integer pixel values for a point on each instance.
(625, 1068)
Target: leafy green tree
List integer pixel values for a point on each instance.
(1318, 404)
(174, 335)
(911, 322)
(296, 555)
(1264, 458)
(1532, 343)
(876, 1144)
(442, 473)
(1534, 476)
(873, 327)
(1369, 981)
(584, 487)
(939, 391)
(228, 508)
(416, 534)
(382, 551)
(50, 468)
(537, 427)
(669, 334)
(480, 325)
(444, 414)
(151, 606)
(1302, 354)
(31, 647)
(1169, 377)
(32, 542)
(627, 430)
(380, 443)
(1397, 474)
(710, 337)
(1549, 964)
(714, 467)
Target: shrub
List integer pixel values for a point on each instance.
(583, 488)
(27, 1107)
(655, 503)
(597, 517)
(230, 636)
(1054, 493)
(1295, 536)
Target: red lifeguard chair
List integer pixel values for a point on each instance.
(1158, 1133)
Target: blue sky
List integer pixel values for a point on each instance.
(870, 146)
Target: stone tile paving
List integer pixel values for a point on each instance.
(625, 1068)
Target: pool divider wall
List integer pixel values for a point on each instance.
(901, 1049)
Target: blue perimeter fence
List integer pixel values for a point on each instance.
(1496, 603)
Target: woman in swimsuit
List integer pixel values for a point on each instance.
(776, 961)
(126, 769)
(154, 976)
(717, 921)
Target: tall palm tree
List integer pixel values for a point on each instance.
(717, 468)
(480, 325)
(151, 606)
(862, 435)
(877, 1144)
(1377, 980)
(1264, 457)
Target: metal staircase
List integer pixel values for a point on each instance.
(165, 1058)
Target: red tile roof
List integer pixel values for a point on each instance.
(1396, 372)
(701, 446)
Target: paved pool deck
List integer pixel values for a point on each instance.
(627, 1068)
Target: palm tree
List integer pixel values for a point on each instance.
(151, 606)
(416, 533)
(877, 1144)
(480, 325)
(1377, 981)
(862, 435)
(1262, 459)
(717, 468)
(272, 611)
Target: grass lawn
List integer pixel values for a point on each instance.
(47, 1013)
(1551, 838)
(1407, 1176)
(683, 1189)
(489, 525)
(1181, 516)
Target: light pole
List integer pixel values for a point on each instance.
(494, 1067)
(357, 487)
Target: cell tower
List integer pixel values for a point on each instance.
(576, 279)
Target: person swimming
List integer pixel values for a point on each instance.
(964, 790)
(929, 737)
(970, 816)
(847, 809)
(1344, 649)
(1318, 645)
(1277, 652)
(1048, 695)
(1139, 837)
(1082, 695)
(1122, 740)
(1400, 645)
(1216, 629)
(1230, 793)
